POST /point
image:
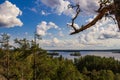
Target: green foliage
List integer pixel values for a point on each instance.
(5, 40)
(117, 76)
(98, 63)
(98, 68)
(28, 60)
(21, 65)
(53, 68)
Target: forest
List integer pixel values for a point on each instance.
(28, 61)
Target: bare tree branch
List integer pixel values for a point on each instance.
(98, 17)
(77, 13)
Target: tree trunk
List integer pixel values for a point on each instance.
(117, 12)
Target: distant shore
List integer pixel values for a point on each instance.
(102, 53)
(106, 50)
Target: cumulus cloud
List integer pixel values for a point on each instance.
(44, 26)
(88, 6)
(8, 15)
(103, 31)
(60, 6)
(56, 43)
(76, 25)
(110, 32)
(61, 33)
(55, 40)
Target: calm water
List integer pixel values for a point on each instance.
(66, 54)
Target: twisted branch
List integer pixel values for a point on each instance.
(93, 22)
(77, 13)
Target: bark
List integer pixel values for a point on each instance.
(112, 9)
(117, 12)
(93, 22)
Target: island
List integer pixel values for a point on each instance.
(75, 54)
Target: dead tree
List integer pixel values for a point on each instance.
(107, 8)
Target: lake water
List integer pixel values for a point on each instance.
(66, 54)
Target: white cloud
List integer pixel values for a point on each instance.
(60, 6)
(56, 43)
(102, 33)
(8, 15)
(52, 25)
(55, 40)
(61, 34)
(33, 9)
(44, 13)
(110, 32)
(71, 29)
(76, 25)
(87, 6)
(44, 26)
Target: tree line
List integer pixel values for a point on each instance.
(28, 61)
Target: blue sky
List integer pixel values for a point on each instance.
(21, 18)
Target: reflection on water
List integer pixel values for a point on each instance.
(84, 53)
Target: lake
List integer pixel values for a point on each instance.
(102, 53)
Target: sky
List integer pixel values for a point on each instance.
(49, 18)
